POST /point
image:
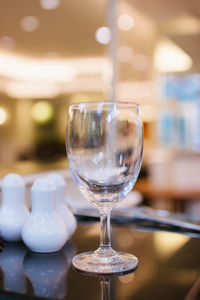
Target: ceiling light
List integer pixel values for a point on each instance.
(168, 57)
(103, 35)
(52, 72)
(89, 66)
(25, 69)
(7, 42)
(125, 54)
(32, 90)
(42, 112)
(125, 22)
(140, 62)
(2, 116)
(183, 25)
(29, 23)
(49, 4)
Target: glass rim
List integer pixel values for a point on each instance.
(123, 103)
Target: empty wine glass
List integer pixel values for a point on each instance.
(104, 142)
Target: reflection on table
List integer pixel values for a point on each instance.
(169, 268)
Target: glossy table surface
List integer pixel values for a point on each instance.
(169, 268)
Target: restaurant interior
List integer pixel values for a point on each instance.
(54, 53)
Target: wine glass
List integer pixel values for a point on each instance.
(104, 142)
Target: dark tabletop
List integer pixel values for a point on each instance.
(169, 268)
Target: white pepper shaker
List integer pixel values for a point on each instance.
(61, 206)
(13, 210)
(44, 230)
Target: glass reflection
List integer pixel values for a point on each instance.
(46, 272)
(11, 262)
(69, 250)
(105, 282)
(105, 287)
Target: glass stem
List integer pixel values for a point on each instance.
(105, 289)
(104, 254)
(105, 243)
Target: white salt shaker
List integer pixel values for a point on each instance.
(44, 230)
(62, 208)
(13, 210)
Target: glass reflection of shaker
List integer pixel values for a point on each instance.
(11, 262)
(45, 272)
(69, 250)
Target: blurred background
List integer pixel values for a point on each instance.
(56, 52)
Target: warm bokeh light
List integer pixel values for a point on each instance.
(103, 35)
(7, 42)
(125, 22)
(29, 23)
(42, 112)
(168, 244)
(171, 58)
(49, 4)
(125, 54)
(3, 116)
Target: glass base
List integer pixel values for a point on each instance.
(121, 263)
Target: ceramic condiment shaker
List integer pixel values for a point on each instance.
(13, 210)
(61, 206)
(44, 230)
